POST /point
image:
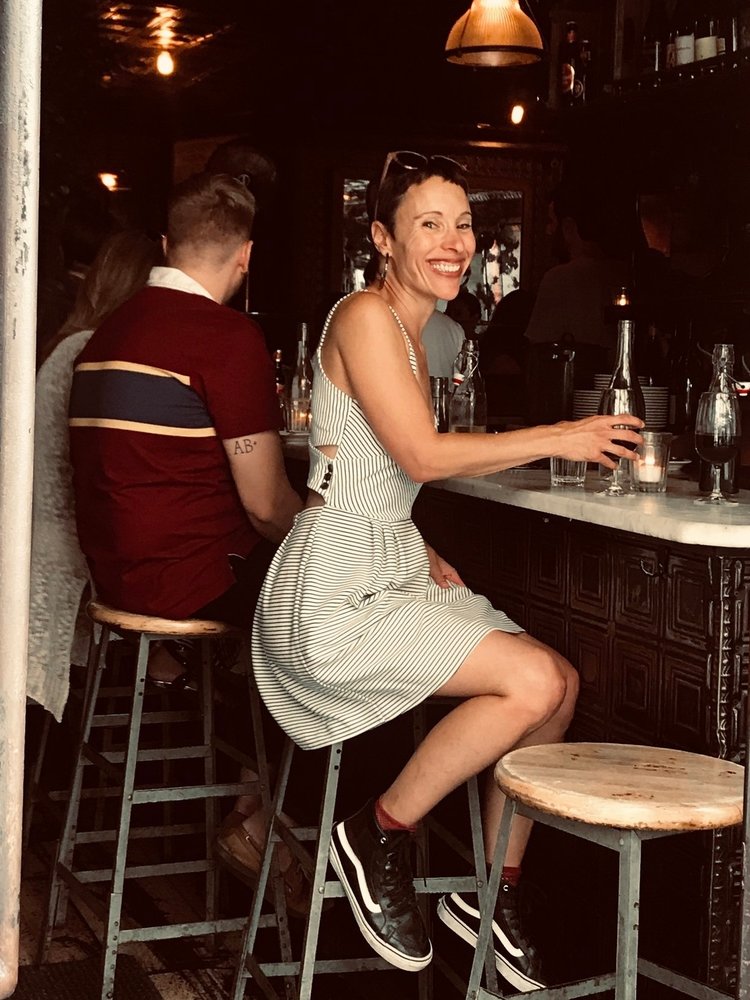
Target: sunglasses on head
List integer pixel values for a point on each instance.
(406, 159)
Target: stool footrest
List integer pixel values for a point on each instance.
(122, 719)
(143, 871)
(185, 792)
(164, 932)
(140, 833)
(570, 991)
(676, 981)
(329, 965)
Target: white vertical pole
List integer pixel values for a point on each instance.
(20, 73)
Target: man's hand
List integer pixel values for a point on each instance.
(258, 471)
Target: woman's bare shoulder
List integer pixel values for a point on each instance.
(361, 307)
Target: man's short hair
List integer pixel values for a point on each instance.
(209, 214)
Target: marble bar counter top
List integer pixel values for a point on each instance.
(673, 516)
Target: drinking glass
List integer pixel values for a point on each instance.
(616, 402)
(717, 437)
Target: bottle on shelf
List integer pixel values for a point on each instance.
(723, 381)
(280, 380)
(583, 76)
(654, 39)
(300, 391)
(727, 39)
(706, 35)
(467, 411)
(684, 33)
(569, 65)
(682, 382)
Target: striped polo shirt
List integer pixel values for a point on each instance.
(162, 383)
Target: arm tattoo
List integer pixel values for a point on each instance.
(244, 447)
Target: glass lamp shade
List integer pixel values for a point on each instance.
(494, 33)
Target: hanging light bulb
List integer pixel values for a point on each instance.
(517, 114)
(165, 63)
(494, 33)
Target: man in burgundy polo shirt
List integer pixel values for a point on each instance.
(180, 487)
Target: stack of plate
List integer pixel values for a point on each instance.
(601, 381)
(656, 398)
(585, 402)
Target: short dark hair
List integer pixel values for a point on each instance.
(397, 182)
(209, 210)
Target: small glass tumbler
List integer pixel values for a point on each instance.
(649, 468)
(439, 391)
(565, 472)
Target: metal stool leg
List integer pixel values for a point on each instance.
(627, 916)
(251, 930)
(58, 895)
(325, 829)
(34, 780)
(209, 777)
(112, 927)
(484, 952)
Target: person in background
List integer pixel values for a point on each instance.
(442, 336)
(59, 575)
(180, 486)
(360, 620)
(466, 310)
(573, 296)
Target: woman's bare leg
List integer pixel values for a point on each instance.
(519, 693)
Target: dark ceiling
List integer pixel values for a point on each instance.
(344, 67)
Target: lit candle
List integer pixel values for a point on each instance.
(648, 470)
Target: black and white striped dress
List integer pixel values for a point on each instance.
(350, 630)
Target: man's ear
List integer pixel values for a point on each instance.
(164, 246)
(245, 250)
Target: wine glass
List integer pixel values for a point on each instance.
(616, 402)
(717, 437)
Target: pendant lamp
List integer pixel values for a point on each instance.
(494, 33)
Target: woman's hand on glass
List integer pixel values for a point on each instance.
(441, 571)
(602, 439)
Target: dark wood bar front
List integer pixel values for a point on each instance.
(658, 631)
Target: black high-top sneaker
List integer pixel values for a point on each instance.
(375, 870)
(516, 958)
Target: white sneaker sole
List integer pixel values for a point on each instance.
(512, 975)
(391, 956)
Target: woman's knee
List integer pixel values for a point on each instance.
(546, 684)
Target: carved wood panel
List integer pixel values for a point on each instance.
(549, 626)
(636, 687)
(686, 602)
(588, 651)
(548, 560)
(590, 573)
(685, 705)
(637, 575)
(510, 550)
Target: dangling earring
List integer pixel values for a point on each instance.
(384, 272)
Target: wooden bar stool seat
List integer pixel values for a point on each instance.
(632, 787)
(121, 778)
(617, 796)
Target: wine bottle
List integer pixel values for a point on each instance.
(727, 39)
(569, 52)
(684, 22)
(467, 410)
(280, 380)
(654, 39)
(706, 36)
(300, 392)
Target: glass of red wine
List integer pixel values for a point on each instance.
(717, 437)
(616, 402)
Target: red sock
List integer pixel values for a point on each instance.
(511, 875)
(387, 822)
